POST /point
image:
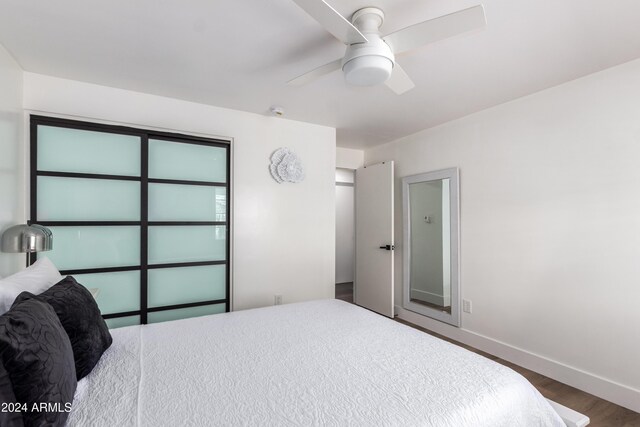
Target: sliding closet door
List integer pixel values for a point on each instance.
(188, 228)
(142, 216)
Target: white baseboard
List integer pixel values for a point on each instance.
(606, 389)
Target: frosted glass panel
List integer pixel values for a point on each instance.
(80, 199)
(186, 244)
(119, 292)
(173, 160)
(168, 286)
(119, 322)
(74, 150)
(183, 313)
(94, 247)
(171, 202)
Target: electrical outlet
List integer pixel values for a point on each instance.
(466, 306)
(277, 300)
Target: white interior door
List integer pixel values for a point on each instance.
(374, 238)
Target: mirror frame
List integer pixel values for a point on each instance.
(454, 198)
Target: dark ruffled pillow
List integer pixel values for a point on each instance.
(8, 418)
(37, 358)
(81, 319)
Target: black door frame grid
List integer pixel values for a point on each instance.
(144, 223)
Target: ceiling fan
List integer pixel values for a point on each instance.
(370, 57)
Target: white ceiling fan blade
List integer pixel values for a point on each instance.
(332, 21)
(399, 82)
(436, 29)
(317, 73)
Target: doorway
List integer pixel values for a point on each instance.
(345, 233)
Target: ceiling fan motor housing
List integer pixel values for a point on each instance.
(371, 63)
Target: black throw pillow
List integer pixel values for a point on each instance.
(36, 353)
(9, 416)
(81, 319)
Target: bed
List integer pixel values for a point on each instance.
(322, 362)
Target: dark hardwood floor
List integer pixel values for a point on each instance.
(601, 412)
(434, 306)
(344, 291)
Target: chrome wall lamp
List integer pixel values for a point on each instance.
(26, 238)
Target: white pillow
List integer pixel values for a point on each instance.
(36, 278)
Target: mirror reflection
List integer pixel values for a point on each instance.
(430, 276)
(430, 248)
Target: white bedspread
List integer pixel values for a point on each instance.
(315, 363)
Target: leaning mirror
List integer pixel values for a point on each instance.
(431, 221)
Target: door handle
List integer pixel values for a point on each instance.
(388, 247)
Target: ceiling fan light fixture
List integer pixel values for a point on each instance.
(370, 56)
(367, 70)
(368, 64)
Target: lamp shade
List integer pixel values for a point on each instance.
(27, 238)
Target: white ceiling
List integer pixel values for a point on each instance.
(239, 54)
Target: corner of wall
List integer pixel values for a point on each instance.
(349, 158)
(12, 148)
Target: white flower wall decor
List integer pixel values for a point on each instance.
(286, 166)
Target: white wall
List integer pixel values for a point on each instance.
(11, 159)
(345, 226)
(282, 233)
(349, 158)
(550, 228)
